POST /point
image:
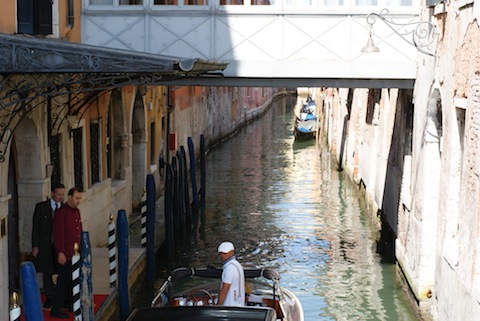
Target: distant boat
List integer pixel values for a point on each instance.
(308, 110)
(306, 129)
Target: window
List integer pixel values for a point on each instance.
(78, 157)
(166, 2)
(55, 158)
(152, 143)
(95, 151)
(307, 3)
(262, 2)
(185, 2)
(70, 13)
(101, 2)
(373, 102)
(231, 2)
(109, 142)
(366, 2)
(196, 2)
(34, 17)
(131, 2)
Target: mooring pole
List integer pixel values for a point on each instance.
(202, 186)
(122, 234)
(168, 208)
(186, 191)
(151, 200)
(180, 191)
(76, 264)
(112, 258)
(143, 210)
(175, 201)
(193, 178)
(15, 310)
(32, 302)
(86, 296)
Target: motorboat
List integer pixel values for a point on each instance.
(191, 294)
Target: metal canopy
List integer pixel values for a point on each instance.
(27, 54)
(39, 71)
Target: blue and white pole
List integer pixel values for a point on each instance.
(123, 251)
(144, 218)
(32, 303)
(15, 310)
(112, 252)
(76, 283)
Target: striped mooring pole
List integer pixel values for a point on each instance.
(112, 259)
(76, 283)
(144, 217)
(15, 310)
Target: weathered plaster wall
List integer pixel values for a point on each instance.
(215, 112)
(8, 21)
(453, 213)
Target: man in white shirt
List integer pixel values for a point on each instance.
(232, 292)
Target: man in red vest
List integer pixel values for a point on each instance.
(67, 230)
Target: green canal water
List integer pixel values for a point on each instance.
(284, 205)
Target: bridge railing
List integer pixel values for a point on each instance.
(274, 6)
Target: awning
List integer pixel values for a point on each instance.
(33, 70)
(28, 54)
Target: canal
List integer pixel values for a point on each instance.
(285, 205)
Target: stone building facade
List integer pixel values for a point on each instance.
(415, 155)
(99, 132)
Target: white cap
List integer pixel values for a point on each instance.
(225, 247)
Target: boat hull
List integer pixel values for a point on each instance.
(199, 288)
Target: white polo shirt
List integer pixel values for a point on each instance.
(233, 274)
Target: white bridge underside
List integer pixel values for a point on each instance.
(263, 48)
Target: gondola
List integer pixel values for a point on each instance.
(305, 129)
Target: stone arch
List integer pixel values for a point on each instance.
(27, 185)
(116, 137)
(139, 150)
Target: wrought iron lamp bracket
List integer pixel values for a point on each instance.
(423, 33)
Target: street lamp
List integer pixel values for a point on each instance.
(422, 32)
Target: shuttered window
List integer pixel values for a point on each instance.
(34, 17)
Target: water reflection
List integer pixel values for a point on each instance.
(284, 205)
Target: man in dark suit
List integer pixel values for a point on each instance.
(42, 246)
